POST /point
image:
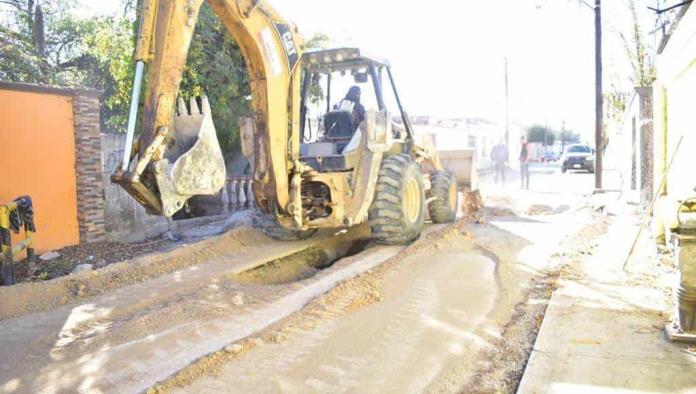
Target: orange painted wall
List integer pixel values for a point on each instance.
(37, 158)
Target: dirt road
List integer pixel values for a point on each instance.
(427, 318)
(122, 338)
(456, 309)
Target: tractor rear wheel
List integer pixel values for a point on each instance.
(443, 187)
(398, 209)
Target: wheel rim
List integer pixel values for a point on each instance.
(412, 200)
(453, 196)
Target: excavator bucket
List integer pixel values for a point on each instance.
(193, 163)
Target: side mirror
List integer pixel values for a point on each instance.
(360, 77)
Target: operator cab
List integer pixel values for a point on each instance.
(331, 135)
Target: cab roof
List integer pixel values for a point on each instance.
(341, 59)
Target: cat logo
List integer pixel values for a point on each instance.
(288, 44)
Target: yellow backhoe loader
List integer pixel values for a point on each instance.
(339, 178)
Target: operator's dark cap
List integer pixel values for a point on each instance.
(353, 92)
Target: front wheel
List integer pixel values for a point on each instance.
(443, 187)
(397, 212)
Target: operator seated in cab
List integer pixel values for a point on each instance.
(351, 103)
(342, 123)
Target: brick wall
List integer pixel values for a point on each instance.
(88, 167)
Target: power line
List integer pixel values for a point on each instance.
(670, 8)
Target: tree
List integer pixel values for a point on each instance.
(43, 42)
(107, 64)
(569, 137)
(541, 134)
(216, 68)
(642, 64)
(35, 44)
(316, 42)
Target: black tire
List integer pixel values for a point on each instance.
(275, 230)
(563, 170)
(391, 221)
(590, 170)
(443, 186)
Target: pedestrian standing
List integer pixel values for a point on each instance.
(525, 156)
(500, 156)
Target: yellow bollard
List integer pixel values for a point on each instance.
(22, 211)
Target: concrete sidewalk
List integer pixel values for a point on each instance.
(604, 330)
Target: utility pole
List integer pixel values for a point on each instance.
(599, 99)
(507, 105)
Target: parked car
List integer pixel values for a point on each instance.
(549, 157)
(578, 157)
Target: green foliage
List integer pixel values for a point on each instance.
(316, 42)
(19, 60)
(216, 68)
(569, 137)
(109, 51)
(542, 134)
(548, 136)
(43, 43)
(616, 103)
(642, 64)
(36, 43)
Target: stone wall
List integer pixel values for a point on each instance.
(126, 220)
(631, 148)
(645, 123)
(90, 199)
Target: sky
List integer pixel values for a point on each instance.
(448, 56)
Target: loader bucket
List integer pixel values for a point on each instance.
(461, 164)
(193, 163)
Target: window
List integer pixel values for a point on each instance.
(579, 149)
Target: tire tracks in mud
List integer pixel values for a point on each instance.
(390, 351)
(507, 359)
(55, 345)
(320, 314)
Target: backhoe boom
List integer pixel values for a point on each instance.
(178, 155)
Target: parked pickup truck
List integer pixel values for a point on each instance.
(578, 157)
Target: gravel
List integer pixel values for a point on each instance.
(98, 255)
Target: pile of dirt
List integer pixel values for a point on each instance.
(98, 254)
(473, 202)
(540, 209)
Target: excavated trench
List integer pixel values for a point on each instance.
(301, 265)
